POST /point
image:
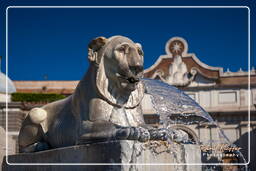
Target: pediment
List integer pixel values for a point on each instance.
(180, 68)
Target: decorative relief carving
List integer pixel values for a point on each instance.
(178, 73)
(158, 74)
(176, 47)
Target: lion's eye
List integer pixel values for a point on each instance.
(123, 49)
(140, 52)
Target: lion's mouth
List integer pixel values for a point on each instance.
(129, 83)
(131, 80)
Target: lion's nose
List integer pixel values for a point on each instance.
(136, 69)
(133, 80)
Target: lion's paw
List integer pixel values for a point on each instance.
(144, 134)
(178, 136)
(164, 134)
(159, 134)
(139, 133)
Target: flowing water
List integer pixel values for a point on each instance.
(175, 107)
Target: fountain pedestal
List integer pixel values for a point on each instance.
(123, 152)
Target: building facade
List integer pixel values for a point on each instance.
(226, 96)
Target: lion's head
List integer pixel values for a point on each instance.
(120, 68)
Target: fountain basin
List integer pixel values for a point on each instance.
(119, 155)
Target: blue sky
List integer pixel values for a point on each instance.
(53, 42)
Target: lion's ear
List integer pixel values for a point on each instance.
(139, 48)
(138, 45)
(94, 46)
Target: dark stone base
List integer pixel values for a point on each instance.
(119, 155)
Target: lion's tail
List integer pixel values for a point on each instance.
(37, 115)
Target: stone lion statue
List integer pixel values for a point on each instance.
(104, 106)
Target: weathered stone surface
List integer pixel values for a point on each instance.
(113, 78)
(11, 145)
(126, 153)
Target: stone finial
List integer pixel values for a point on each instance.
(253, 69)
(176, 46)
